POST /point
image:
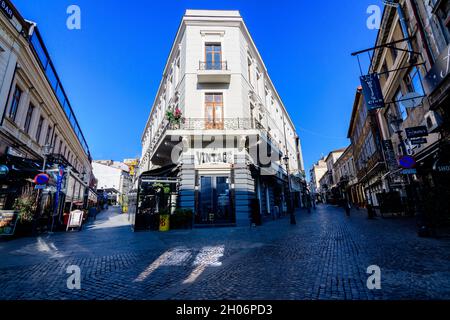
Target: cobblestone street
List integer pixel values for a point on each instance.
(325, 256)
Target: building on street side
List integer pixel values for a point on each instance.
(345, 175)
(329, 180)
(415, 86)
(219, 127)
(316, 173)
(39, 132)
(114, 179)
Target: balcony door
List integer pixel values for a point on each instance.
(214, 111)
(213, 56)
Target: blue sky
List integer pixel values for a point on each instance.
(112, 67)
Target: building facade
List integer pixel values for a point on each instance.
(316, 173)
(113, 175)
(329, 180)
(345, 175)
(219, 121)
(367, 153)
(415, 67)
(39, 131)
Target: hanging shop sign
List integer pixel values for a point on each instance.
(416, 132)
(372, 91)
(4, 170)
(41, 179)
(8, 221)
(59, 181)
(407, 162)
(418, 141)
(439, 71)
(389, 155)
(6, 9)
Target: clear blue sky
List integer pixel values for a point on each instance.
(112, 67)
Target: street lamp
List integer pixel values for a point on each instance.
(291, 211)
(46, 151)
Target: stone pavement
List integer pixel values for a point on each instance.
(325, 256)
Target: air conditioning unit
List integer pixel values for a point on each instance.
(432, 120)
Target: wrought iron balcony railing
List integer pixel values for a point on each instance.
(209, 65)
(216, 124)
(205, 124)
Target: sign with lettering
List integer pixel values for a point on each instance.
(416, 132)
(372, 91)
(418, 141)
(439, 71)
(6, 9)
(8, 221)
(409, 171)
(214, 156)
(442, 165)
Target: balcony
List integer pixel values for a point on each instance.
(163, 143)
(213, 72)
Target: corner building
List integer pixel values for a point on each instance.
(235, 150)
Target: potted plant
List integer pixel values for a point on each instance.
(26, 205)
(175, 117)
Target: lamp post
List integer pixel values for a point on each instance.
(291, 209)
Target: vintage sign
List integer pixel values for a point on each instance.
(389, 155)
(418, 141)
(407, 162)
(438, 72)
(214, 156)
(6, 9)
(8, 221)
(372, 91)
(416, 132)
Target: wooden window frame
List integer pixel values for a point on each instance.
(213, 62)
(217, 122)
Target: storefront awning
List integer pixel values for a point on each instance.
(165, 171)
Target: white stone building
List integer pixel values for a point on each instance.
(113, 175)
(316, 173)
(231, 111)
